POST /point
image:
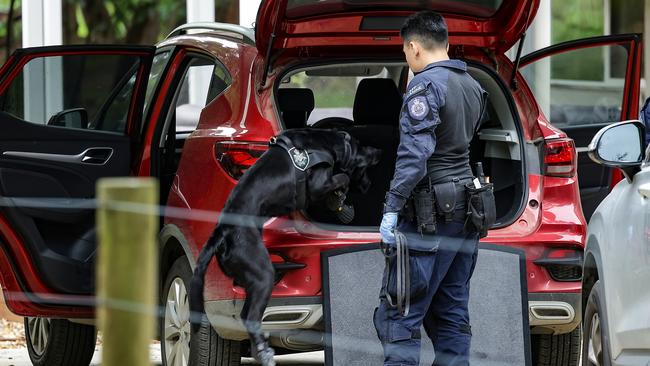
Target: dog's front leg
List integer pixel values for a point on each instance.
(322, 186)
(340, 182)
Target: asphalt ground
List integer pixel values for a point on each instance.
(18, 356)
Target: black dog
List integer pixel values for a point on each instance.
(283, 180)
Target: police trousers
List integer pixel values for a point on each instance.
(439, 291)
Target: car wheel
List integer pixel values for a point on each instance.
(59, 342)
(556, 350)
(205, 348)
(595, 344)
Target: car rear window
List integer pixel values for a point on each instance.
(333, 94)
(477, 8)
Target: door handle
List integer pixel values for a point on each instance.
(644, 190)
(96, 155)
(92, 156)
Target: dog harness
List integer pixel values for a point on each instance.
(302, 160)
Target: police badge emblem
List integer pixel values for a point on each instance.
(418, 108)
(300, 158)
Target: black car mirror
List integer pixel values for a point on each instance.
(620, 145)
(70, 118)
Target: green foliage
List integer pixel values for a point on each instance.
(577, 19)
(121, 21)
(329, 91)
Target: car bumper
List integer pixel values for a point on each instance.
(554, 313)
(297, 322)
(293, 322)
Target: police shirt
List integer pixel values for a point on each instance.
(440, 113)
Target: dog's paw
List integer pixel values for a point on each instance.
(265, 356)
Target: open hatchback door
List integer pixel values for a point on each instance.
(69, 115)
(300, 25)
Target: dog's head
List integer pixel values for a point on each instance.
(358, 160)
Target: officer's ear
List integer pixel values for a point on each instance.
(415, 47)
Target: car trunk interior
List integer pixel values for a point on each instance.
(365, 100)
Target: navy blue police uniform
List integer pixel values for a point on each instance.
(441, 112)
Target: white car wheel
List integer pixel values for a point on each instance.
(595, 342)
(59, 342)
(39, 333)
(177, 325)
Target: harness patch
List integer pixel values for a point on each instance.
(299, 158)
(418, 107)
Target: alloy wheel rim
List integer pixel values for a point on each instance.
(39, 334)
(595, 354)
(177, 325)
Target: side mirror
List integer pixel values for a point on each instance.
(620, 145)
(71, 118)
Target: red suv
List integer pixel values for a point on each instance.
(197, 110)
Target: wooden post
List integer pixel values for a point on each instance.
(127, 268)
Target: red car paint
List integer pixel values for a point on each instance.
(552, 217)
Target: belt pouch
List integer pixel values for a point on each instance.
(445, 199)
(425, 213)
(408, 211)
(481, 208)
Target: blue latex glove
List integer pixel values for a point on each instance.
(387, 227)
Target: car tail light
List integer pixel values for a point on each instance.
(563, 265)
(560, 158)
(236, 157)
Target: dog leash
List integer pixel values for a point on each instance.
(402, 277)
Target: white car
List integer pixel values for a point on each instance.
(616, 270)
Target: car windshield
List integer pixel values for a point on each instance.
(478, 8)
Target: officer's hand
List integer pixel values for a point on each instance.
(387, 227)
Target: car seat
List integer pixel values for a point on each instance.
(377, 106)
(295, 105)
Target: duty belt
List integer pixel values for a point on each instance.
(302, 160)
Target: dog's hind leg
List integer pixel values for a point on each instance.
(255, 273)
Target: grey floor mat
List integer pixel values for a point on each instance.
(498, 307)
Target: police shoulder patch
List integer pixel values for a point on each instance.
(418, 107)
(416, 89)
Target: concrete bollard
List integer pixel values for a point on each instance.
(127, 268)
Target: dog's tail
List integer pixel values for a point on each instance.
(198, 278)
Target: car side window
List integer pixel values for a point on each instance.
(158, 66)
(580, 87)
(204, 80)
(74, 91)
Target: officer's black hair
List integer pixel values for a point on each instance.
(428, 28)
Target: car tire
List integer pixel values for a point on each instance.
(595, 343)
(556, 350)
(59, 342)
(206, 347)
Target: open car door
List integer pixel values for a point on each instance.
(582, 86)
(69, 116)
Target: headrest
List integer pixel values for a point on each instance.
(296, 100)
(377, 102)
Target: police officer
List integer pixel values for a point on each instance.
(441, 111)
